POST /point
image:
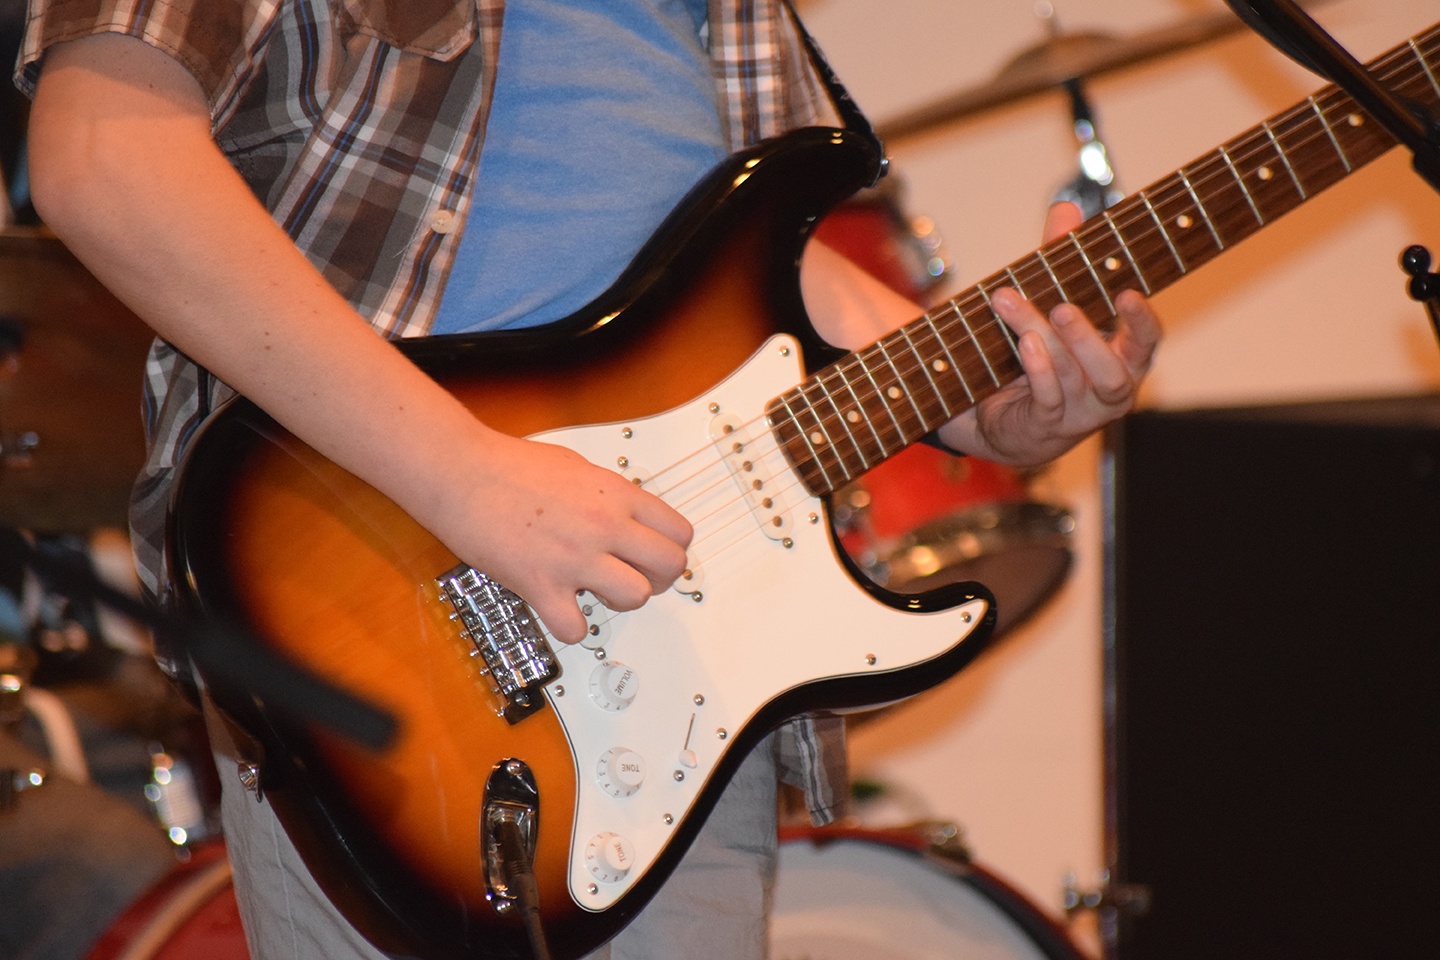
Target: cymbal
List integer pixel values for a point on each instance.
(1054, 62)
(72, 360)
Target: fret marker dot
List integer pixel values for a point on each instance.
(1112, 264)
(1183, 221)
(1265, 173)
(1355, 120)
(894, 393)
(817, 438)
(939, 366)
(853, 416)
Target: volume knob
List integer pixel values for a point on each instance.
(613, 685)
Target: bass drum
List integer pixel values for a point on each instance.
(189, 914)
(894, 895)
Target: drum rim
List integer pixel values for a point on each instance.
(1043, 930)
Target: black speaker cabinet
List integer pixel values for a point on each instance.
(1273, 662)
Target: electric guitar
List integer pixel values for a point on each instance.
(698, 376)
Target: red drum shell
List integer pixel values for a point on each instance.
(190, 913)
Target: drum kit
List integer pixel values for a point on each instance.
(71, 362)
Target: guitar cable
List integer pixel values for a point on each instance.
(520, 878)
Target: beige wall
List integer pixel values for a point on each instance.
(1312, 308)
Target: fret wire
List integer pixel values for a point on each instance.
(979, 348)
(925, 368)
(950, 358)
(824, 388)
(1035, 278)
(1425, 65)
(1064, 266)
(1109, 304)
(1040, 255)
(904, 387)
(1299, 187)
(804, 434)
(1015, 282)
(1224, 199)
(1099, 237)
(1163, 233)
(997, 321)
(860, 405)
(1200, 205)
(1259, 220)
(1230, 162)
(879, 392)
(1120, 238)
(1334, 141)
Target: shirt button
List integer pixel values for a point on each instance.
(443, 221)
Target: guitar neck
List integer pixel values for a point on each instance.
(857, 412)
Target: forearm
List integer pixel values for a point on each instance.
(126, 172)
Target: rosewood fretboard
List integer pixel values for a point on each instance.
(859, 411)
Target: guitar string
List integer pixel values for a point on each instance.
(1305, 113)
(1064, 258)
(1062, 264)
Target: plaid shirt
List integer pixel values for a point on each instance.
(359, 124)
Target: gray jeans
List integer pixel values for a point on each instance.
(715, 905)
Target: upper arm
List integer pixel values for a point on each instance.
(103, 105)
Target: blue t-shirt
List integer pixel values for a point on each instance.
(581, 161)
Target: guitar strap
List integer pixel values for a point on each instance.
(850, 113)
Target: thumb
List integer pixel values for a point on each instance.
(1061, 218)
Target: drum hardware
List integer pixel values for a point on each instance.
(18, 450)
(1092, 189)
(15, 781)
(72, 358)
(17, 663)
(1110, 902)
(1055, 61)
(175, 797)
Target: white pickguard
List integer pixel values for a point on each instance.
(776, 611)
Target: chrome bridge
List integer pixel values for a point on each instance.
(506, 636)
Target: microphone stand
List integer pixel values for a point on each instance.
(1298, 36)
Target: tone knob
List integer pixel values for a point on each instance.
(612, 685)
(620, 772)
(609, 857)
